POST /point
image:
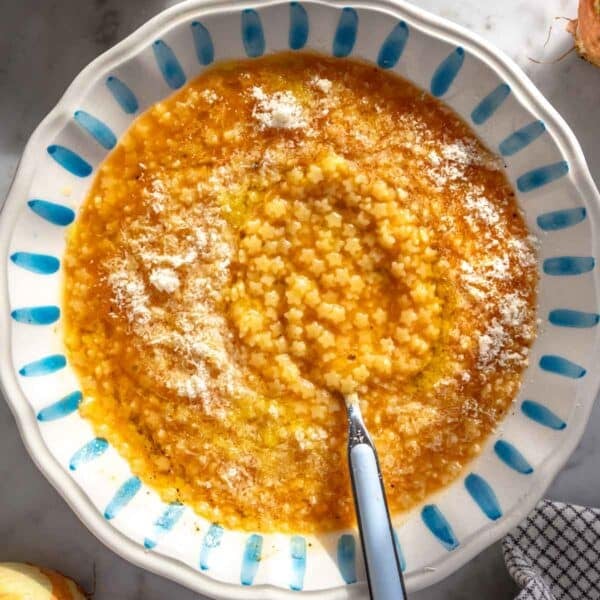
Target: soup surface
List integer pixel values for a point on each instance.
(279, 233)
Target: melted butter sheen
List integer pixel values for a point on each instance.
(278, 233)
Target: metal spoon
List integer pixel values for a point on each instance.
(382, 562)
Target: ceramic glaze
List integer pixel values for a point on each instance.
(545, 165)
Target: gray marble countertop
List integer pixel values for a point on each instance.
(43, 45)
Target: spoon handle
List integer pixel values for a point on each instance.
(384, 574)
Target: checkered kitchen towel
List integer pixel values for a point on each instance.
(555, 553)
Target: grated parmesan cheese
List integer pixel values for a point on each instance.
(280, 110)
(324, 85)
(490, 344)
(164, 280)
(194, 386)
(210, 96)
(513, 309)
(157, 195)
(174, 260)
(482, 209)
(450, 164)
(524, 252)
(129, 291)
(190, 341)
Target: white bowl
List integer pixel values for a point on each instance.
(517, 464)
